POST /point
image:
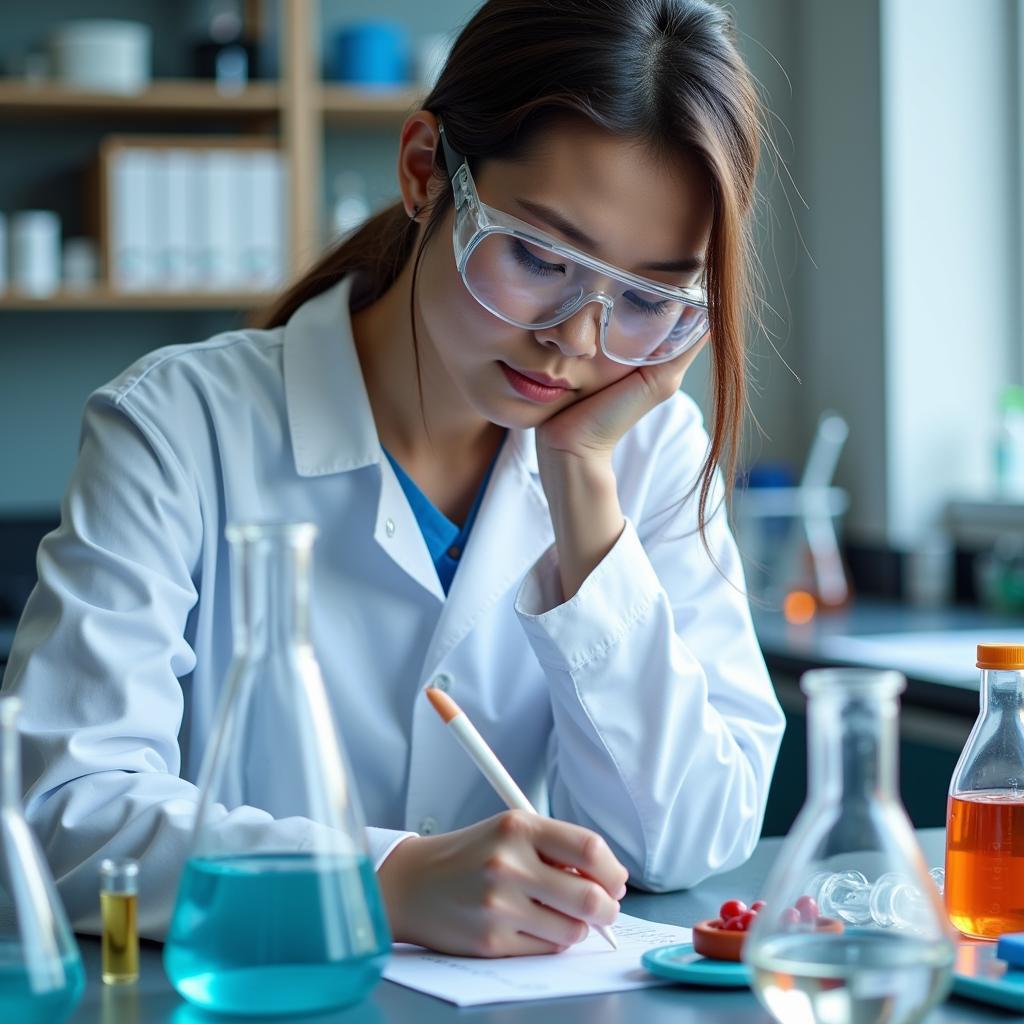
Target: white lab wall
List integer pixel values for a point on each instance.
(839, 310)
(950, 248)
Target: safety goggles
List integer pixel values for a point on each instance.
(534, 281)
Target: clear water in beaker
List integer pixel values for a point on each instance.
(866, 964)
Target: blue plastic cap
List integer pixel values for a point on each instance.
(1011, 949)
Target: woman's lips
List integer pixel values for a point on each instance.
(533, 389)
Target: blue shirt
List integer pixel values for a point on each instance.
(445, 541)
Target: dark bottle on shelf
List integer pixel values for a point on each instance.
(226, 55)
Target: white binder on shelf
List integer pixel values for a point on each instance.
(262, 201)
(133, 253)
(180, 261)
(220, 225)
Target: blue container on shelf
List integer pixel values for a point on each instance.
(372, 53)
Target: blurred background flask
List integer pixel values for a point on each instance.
(985, 815)
(276, 916)
(41, 975)
(851, 821)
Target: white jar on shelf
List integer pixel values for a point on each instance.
(35, 252)
(104, 54)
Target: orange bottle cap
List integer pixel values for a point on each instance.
(1001, 656)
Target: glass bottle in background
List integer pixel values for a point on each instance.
(821, 970)
(985, 815)
(41, 975)
(119, 896)
(286, 916)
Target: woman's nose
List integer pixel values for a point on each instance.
(579, 336)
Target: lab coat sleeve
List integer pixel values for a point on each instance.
(666, 726)
(97, 660)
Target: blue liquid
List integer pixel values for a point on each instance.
(19, 1002)
(277, 933)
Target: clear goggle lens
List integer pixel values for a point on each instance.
(530, 285)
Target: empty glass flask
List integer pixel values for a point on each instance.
(278, 908)
(41, 975)
(985, 811)
(813, 968)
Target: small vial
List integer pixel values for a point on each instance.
(119, 889)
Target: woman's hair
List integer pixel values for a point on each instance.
(664, 73)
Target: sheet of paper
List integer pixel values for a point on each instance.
(947, 657)
(587, 968)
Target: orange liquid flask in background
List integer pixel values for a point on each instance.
(984, 887)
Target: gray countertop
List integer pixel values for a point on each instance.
(841, 637)
(153, 1001)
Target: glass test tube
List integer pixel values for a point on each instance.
(119, 888)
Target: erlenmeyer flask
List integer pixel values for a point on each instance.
(41, 975)
(809, 968)
(278, 909)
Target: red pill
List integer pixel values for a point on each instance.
(731, 908)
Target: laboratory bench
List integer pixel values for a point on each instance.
(933, 647)
(153, 1001)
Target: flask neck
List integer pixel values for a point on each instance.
(10, 765)
(853, 743)
(271, 586)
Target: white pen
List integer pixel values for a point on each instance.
(487, 761)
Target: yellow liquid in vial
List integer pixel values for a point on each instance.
(120, 938)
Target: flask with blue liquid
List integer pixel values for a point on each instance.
(41, 975)
(282, 915)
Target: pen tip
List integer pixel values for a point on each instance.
(443, 704)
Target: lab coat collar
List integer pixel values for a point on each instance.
(329, 414)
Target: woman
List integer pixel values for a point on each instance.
(476, 399)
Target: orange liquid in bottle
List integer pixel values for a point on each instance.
(984, 889)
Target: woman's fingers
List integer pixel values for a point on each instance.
(550, 925)
(574, 897)
(522, 944)
(562, 843)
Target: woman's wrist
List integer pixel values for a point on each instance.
(586, 516)
(394, 877)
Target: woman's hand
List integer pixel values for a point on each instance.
(591, 427)
(574, 454)
(495, 888)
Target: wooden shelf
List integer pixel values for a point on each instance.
(368, 106)
(195, 96)
(164, 96)
(104, 299)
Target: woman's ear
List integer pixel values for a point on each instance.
(417, 180)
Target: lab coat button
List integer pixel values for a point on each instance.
(443, 681)
(389, 527)
(428, 826)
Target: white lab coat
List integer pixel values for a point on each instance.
(640, 708)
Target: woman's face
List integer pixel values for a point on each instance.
(637, 209)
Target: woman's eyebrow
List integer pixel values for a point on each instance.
(555, 220)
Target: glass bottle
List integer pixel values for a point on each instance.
(985, 811)
(276, 916)
(119, 896)
(41, 975)
(808, 967)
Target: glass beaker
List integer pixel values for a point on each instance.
(810, 968)
(285, 916)
(985, 811)
(41, 975)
